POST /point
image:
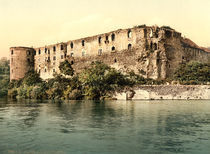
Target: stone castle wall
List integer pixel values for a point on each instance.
(166, 92)
(152, 52)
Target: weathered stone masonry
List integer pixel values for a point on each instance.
(153, 52)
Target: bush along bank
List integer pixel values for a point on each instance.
(4, 76)
(99, 81)
(193, 73)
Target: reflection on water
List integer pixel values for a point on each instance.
(105, 127)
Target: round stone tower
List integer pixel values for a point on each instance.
(21, 61)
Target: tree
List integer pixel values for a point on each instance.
(193, 73)
(31, 78)
(4, 76)
(100, 80)
(66, 68)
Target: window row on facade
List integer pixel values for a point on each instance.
(47, 51)
(45, 70)
(129, 35)
(100, 51)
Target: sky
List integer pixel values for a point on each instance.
(42, 22)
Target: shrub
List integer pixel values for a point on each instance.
(31, 78)
(66, 68)
(38, 93)
(100, 80)
(13, 93)
(193, 73)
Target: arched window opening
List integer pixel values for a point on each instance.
(113, 48)
(39, 51)
(45, 50)
(107, 39)
(115, 60)
(53, 70)
(129, 46)
(129, 34)
(155, 46)
(72, 45)
(99, 40)
(54, 58)
(45, 70)
(28, 60)
(151, 45)
(113, 37)
(83, 43)
(72, 62)
(54, 48)
(48, 51)
(12, 52)
(48, 59)
(61, 46)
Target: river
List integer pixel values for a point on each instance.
(105, 127)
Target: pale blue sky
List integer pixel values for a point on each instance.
(40, 22)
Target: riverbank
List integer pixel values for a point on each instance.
(165, 92)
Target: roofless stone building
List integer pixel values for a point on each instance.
(151, 51)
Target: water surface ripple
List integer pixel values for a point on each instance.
(110, 127)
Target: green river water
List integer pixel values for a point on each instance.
(104, 127)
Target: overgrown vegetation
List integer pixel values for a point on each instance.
(66, 68)
(99, 81)
(4, 76)
(193, 73)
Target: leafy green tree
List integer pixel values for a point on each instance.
(56, 86)
(100, 80)
(193, 73)
(66, 68)
(31, 78)
(4, 76)
(4, 66)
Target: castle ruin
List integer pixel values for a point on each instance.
(151, 51)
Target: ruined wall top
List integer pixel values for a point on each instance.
(20, 48)
(90, 38)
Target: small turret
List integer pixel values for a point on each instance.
(21, 61)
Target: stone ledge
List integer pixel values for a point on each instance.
(166, 92)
